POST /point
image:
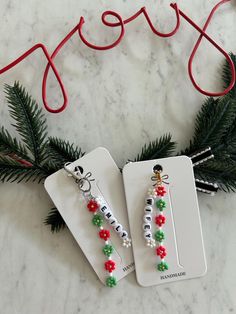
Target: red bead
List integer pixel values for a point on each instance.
(92, 206)
(160, 220)
(160, 190)
(104, 234)
(161, 251)
(110, 266)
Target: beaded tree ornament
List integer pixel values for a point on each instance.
(101, 213)
(155, 205)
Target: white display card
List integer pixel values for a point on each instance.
(71, 204)
(183, 233)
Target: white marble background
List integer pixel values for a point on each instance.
(119, 99)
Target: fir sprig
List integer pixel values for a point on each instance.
(60, 151)
(36, 156)
(160, 148)
(29, 120)
(10, 145)
(226, 75)
(55, 220)
(14, 171)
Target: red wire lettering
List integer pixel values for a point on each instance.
(121, 23)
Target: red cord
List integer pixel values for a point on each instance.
(50, 61)
(203, 34)
(121, 23)
(116, 43)
(54, 54)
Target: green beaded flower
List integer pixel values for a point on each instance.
(111, 281)
(161, 205)
(108, 250)
(162, 266)
(97, 220)
(159, 236)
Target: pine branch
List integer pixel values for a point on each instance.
(162, 147)
(214, 123)
(226, 75)
(9, 146)
(218, 171)
(29, 120)
(13, 171)
(60, 151)
(55, 220)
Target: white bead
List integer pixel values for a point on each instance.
(148, 209)
(147, 218)
(147, 227)
(118, 228)
(127, 243)
(113, 221)
(123, 234)
(108, 215)
(152, 192)
(104, 209)
(149, 201)
(147, 235)
(100, 201)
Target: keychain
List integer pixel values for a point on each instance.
(101, 213)
(155, 203)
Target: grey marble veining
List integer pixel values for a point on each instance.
(119, 99)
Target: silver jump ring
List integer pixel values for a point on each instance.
(81, 182)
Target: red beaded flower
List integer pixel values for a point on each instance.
(160, 220)
(161, 251)
(110, 266)
(92, 206)
(104, 234)
(160, 190)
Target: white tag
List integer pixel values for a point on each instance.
(71, 204)
(183, 234)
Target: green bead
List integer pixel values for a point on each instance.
(162, 266)
(97, 220)
(159, 236)
(108, 250)
(160, 204)
(111, 281)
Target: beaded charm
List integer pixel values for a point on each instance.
(101, 213)
(155, 203)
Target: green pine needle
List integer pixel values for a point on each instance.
(9, 146)
(13, 171)
(160, 148)
(29, 120)
(60, 151)
(218, 171)
(37, 156)
(226, 74)
(213, 122)
(55, 220)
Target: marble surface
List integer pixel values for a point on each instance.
(119, 99)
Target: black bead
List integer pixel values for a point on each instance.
(157, 168)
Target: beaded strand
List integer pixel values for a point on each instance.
(156, 200)
(100, 211)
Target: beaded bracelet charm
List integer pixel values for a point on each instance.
(101, 212)
(155, 202)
